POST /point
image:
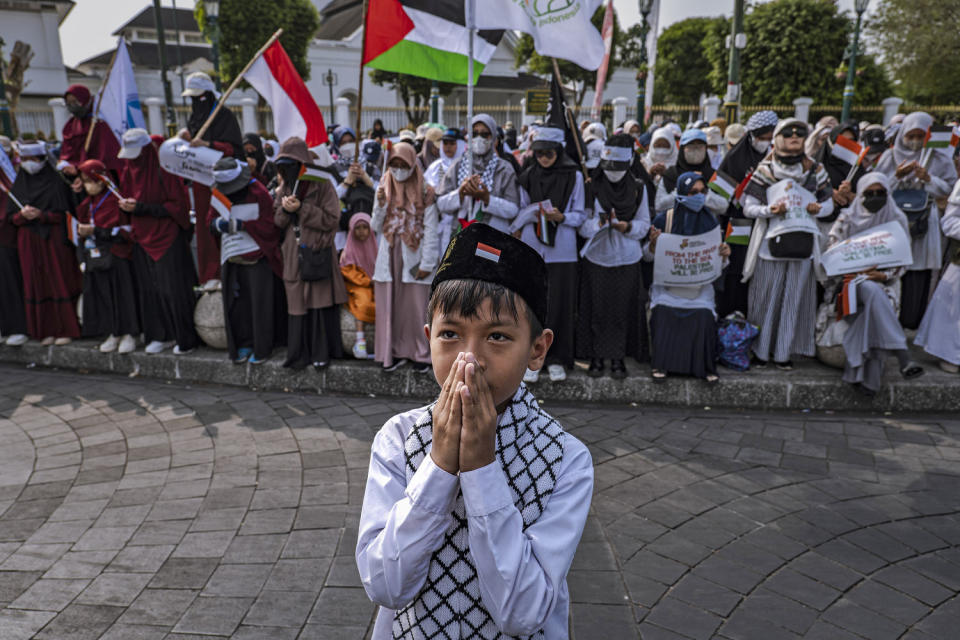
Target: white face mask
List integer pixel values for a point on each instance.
(760, 146)
(33, 167)
(614, 176)
(659, 154)
(694, 156)
(913, 145)
(480, 146)
(400, 175)
(348, 152)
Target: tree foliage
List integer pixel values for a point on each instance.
(682, 70)
(795, 48)
(920, 43)
(413, 90)
(526, 56)
(245, 25)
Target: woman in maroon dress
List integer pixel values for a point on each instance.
(51, 279)
(162, 262)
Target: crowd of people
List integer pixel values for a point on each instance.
(289, 234)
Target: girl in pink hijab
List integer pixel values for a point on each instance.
(357, 263)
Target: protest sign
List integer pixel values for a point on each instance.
(796, 217)
(687, 261)
(191, 163)
(882, 247)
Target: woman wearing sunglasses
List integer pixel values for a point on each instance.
(874, 332)
(779, 266)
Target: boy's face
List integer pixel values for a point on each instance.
(501, 344)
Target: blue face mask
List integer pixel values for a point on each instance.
(694, 202)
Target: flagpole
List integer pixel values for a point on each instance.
(571, 122)
(96, 108)
(363, 51)
(471, 21)
(233, 85)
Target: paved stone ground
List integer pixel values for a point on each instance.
(136, 509)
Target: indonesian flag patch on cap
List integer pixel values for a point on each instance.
(488, 252)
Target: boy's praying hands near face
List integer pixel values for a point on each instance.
(464, 419)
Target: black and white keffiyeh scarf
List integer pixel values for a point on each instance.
(463, 169)
(530, 451)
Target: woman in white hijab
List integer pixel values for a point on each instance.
(818, 139)
(910, 168)
(662, 154)
(939, 333)
(873, 332)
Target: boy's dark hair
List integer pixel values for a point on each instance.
(465, 296)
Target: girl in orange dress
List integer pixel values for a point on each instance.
(356, 264)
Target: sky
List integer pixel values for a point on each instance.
(86, 31)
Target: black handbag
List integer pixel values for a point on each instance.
(915, 203)
(315, 265)
(98, 258)
(792, 244)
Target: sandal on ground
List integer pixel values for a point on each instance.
(658, 376)
(949, 367)
(786, 365)
(712, 378)
(911, 370)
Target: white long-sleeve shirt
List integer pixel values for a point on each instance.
(564, 247)
(522, 574)
(753, 208)
(609, 248)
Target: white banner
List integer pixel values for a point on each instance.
(688, 261)
(191, 163)
(796, 217)
(120, 102)
(882, 247)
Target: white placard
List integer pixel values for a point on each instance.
(883, 247)
(796, 217)
(688, 261)
(246, 211)
(191, 163)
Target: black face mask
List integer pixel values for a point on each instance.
(198, 102)
(77, 110)
(289, 173)
(874, 203)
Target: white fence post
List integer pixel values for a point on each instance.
(441, 103)
(891, 106)
(711, 108)
(342, 109)
(155, 116)
(801, 109)
(619, 110)
(60, 115)
(249, 107)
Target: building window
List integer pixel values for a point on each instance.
(193, 38)
(146, 34)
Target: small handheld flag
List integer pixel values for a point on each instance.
(73, 229)
(220, 203)
(847, 150)
(737, 233)
(723, 185)
(11, 196)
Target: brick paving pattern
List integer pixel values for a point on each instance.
(138, 509)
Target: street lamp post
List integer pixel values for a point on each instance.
(212, 12)
(162, 51)
(738, 41)
(645, 7)
(861, 7)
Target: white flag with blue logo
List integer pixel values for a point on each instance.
(119, 101)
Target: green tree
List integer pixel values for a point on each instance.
(413, 90)
(920, 47)
(526, 56)
(682, 71)
(245, 25)
(795, 48)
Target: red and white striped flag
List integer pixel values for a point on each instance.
(606, 32)
(295, 113)
(847, 151)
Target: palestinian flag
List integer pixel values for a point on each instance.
(738, 233)
(941, 138)
(426, 38)
(313, 173)
(723, 185)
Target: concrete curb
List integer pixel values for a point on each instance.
(811, 386)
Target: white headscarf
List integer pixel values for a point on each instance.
(663, 133)
(856, 219)
(939, 165)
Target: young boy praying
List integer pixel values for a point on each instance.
(475, 504)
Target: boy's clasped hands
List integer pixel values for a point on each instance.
(464, 419)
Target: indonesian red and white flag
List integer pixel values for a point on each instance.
(606, 32)
(847, 150)
(295, 113)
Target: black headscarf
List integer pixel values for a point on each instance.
(622, 197)
(224, 127)
(742, 159)
(258, 154)
(554, 183)
(682, 166)
(44, 190)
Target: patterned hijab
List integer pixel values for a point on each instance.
(406, 201)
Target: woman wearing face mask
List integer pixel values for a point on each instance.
(837, 169)
(261, 169)
(910, 168)
(224, 135)
(344, 149)
(451, 148)
(783, 287)
(874, 332)
(405, 221)
(553, 186)
(692, 158)
(308, 216)
(51, 279)
(158, 207)
(683, 325)
(358, 188)
(662, 153)
(103, 144)
(739, 162)
(109, 294)
(487, 191)
(612, 319)
(939, 332)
